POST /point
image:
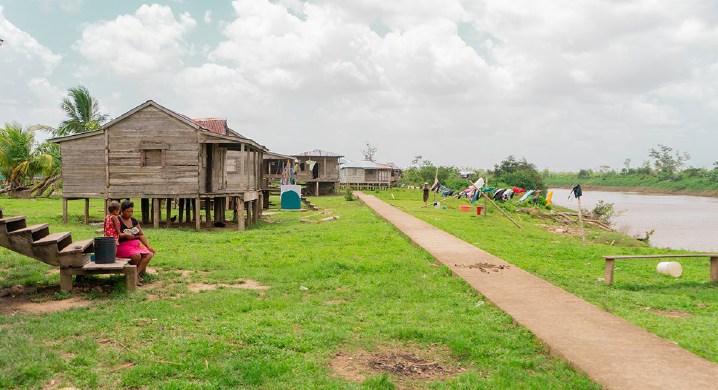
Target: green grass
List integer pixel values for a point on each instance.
(683, 185)
(280, 338)
(563, 261)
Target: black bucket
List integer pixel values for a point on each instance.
(105, 250)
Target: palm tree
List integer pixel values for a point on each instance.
(83, 112)
(19, 160)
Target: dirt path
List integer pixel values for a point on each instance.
(608, 349)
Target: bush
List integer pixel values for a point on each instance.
(349, 194)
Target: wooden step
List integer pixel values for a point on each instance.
(78, 246)
(31, 229)
(11, 219)
(52, 238)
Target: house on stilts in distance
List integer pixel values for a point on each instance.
(157, 155)
(367, 175)
(319, 170)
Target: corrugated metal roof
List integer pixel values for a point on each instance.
(214, 125)
(317, 153)
(367, 165)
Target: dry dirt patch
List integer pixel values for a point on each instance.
(404, 363)
(23, 305)
(248, 284)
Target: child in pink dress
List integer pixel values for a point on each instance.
(112, 224)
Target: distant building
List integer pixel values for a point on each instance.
(319, 170)
(368, 175)
(466, 174)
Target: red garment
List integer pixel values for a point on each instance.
(110, 230)
(518, 190)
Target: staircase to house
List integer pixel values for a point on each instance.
(36, 241)
(309, 204)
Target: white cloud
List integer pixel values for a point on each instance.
(549, 81)
(27, 96)
(149, 42)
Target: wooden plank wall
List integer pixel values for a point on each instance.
(180, 174)
(328, 171)
(83, 167)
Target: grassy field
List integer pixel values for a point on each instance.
(683, 310)
(354, 287)
(688, 185)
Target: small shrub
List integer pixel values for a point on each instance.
(604, 212)
(349, 194)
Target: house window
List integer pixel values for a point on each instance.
(301, 167)
(153, 158)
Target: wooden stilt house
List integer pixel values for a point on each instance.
(157, 155)
(319, 170)
(275, 168)
(366, 175)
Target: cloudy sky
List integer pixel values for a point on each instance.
(567, 84)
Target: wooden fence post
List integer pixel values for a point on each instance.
(608, 274)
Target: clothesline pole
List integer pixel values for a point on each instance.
(486, 205)
(580, 221)
(502, 211)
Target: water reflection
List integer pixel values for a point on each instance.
(680, 222)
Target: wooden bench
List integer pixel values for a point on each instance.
(610, 263)
(120, 266)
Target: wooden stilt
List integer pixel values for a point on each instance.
(317, 193)
(87, 211)
(240, 214)
(168, 221)
(217, 209)
(65, 280)
(260, 203)
(189, 205)
(250, 206)
(208, 211)
(714, 269)
(64, 212)
(156, 213)
(195, 206)
(145, 208)
(235, 214)
(152, 211)
(180, 217)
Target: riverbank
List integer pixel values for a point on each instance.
(646, 185)
(683, 310)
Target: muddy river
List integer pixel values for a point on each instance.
(680, 222)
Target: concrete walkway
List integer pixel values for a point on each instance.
(608, 349)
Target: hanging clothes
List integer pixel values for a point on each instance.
(526, 196)
(519, 190)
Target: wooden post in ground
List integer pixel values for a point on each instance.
(240, 214)
(608, 273)
(87, 211)
(486, 205)
(145, 208)
(580, 222)
(217, 203)
(714, 269)
(152, 211)
(250, 206)
(208, 211)
(317, 193)
(168, 206)
(197, 220)
(189, 206)
(155, 213)
(235, 216)
(180, 217)
(64, 212)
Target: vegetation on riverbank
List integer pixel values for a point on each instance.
(350, 287)
(683, 310)
(663, 173)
